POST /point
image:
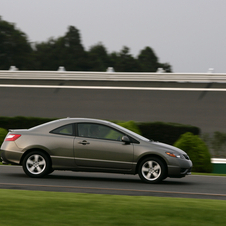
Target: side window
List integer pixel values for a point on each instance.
(98, 131)
(64, 130)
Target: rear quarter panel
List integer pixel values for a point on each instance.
(59, 148)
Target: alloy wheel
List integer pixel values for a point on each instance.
(151, 170)
(36, 164)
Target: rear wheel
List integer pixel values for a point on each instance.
(36, 164)
(152, 170)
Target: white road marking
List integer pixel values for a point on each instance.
(115, 88)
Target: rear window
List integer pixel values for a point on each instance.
(67, 130)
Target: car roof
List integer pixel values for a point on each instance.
(60, 122)
(49, 126)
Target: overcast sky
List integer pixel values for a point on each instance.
(188, 34)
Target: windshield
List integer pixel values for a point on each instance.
(131, 132)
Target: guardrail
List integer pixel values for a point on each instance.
(115, 76)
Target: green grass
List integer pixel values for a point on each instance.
(55, 208)
(209, 174)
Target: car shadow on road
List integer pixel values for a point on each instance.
(118, 178)
(127, 179)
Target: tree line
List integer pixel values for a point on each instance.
(68, 51)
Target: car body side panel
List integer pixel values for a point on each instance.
(174, 165)
(11, 153)
(62, 152)
(103, 154)
(144, 148)
(59, 148)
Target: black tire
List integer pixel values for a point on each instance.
(50, 171)
(36, 164)
(152, 170)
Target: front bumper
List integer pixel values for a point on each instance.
(181, 170)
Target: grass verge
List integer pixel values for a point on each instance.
(208, 174)
(53, 208)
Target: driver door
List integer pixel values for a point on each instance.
(100, 146)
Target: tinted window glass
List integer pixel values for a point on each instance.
(98, 131)
(132, 133)
(64, 130)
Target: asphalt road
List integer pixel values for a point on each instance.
(206, 110)
(202, 187)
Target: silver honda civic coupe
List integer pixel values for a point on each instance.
(91, 145)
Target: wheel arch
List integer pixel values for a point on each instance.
(151, 155)
(35, 149)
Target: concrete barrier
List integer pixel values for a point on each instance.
(219, 165)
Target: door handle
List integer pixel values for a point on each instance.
(84, 142)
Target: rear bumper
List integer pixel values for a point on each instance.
(2, 157)
(8, 157)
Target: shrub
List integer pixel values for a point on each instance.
(164, 132)
(20, 122)
(218, 143)
(131, 125)
(3, 133)
(197, 150)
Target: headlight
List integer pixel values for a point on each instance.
(174, 155)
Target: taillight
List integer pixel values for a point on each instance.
(12, 137)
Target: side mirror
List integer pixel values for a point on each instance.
(126, 139)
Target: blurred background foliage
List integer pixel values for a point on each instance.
(68, 51)
(216, 143)
(3, 133)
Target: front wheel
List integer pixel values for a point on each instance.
(36, 164)
(152, 170)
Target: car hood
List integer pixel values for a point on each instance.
(168, 147)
